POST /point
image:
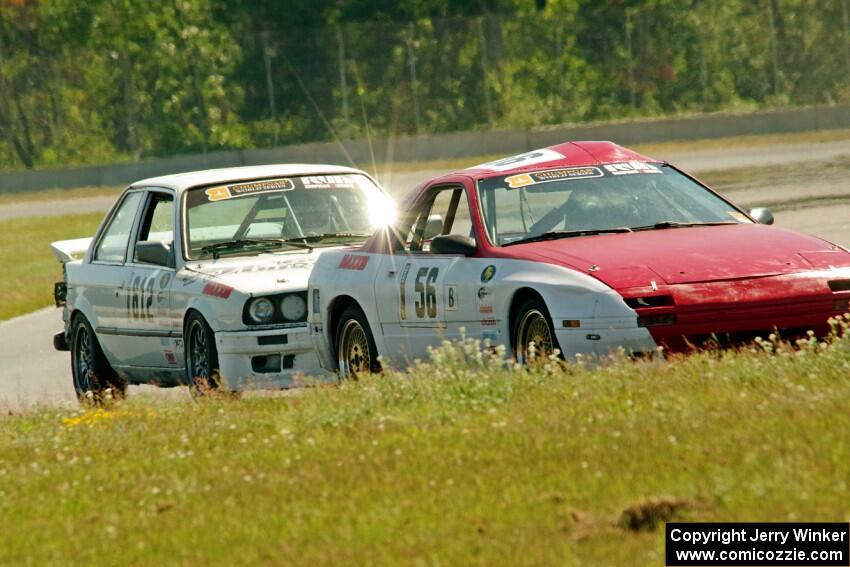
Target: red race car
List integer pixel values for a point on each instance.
(582, 246)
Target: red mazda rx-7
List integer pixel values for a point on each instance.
(582, 246)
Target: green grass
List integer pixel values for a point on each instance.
(29, 268)
(462, 462)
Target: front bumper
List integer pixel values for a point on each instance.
(268, 358)
(599, 340)
(735, 312)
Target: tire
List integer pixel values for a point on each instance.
(202, 368)
(91, 372)
(355, 346)
(533, 324)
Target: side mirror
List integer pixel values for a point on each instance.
(154, 252)
(762, 215)
(453, 244)
(433, 227)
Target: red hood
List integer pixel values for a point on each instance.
(686, 255)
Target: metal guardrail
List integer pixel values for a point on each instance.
(442, 146)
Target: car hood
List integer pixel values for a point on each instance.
(263, 273)
(689, 254)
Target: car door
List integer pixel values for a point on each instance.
(100, 283)
(415, 301)
(148, 327)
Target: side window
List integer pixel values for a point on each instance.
(158, 221)
(113, 244)
(448, 213)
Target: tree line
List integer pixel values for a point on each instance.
(85, 81)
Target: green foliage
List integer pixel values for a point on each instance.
(466, 461)
(104, 80)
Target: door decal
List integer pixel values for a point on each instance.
(451, 298)
(402, 303)
(424, 288)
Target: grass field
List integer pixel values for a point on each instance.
(463, 462)
(29, 269)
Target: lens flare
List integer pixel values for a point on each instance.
(382, 210)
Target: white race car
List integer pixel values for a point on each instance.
(201, 278)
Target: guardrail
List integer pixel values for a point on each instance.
(443, 146)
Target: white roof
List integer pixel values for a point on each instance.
(182, 181)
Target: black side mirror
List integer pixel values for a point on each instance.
(453, 244)
(154, 252)
(762, 215)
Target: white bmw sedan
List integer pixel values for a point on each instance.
(201, 278)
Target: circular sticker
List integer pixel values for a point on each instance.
(488, 273)
(163, 281)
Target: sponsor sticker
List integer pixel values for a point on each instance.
(217, 290)
(242, 189)
(526, 179)
(353, 262)
(631, 168)
(488, 273)
(451, 298)
(490, 335)
(326, 181)
(521, 160)
(170, 358)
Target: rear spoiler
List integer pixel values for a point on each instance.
(70, 250)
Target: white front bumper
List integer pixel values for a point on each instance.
(600, 341)
(299, 364)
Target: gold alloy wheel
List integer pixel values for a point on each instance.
(533, 328)
(353, 355)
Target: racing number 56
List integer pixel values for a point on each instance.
(423, 286)
(427, 300)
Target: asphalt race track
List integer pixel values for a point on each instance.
(33, 373)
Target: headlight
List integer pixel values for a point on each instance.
(293, 308)
(261, 310)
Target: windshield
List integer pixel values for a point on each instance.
(283, 213)
(579, 201)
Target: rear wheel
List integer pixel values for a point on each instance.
(355, 346)
(202, 370)
(93, 376)
(533, 334)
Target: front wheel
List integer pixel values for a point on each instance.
(533, 334)
(202, 371)
(355, 346)
(92, 374)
